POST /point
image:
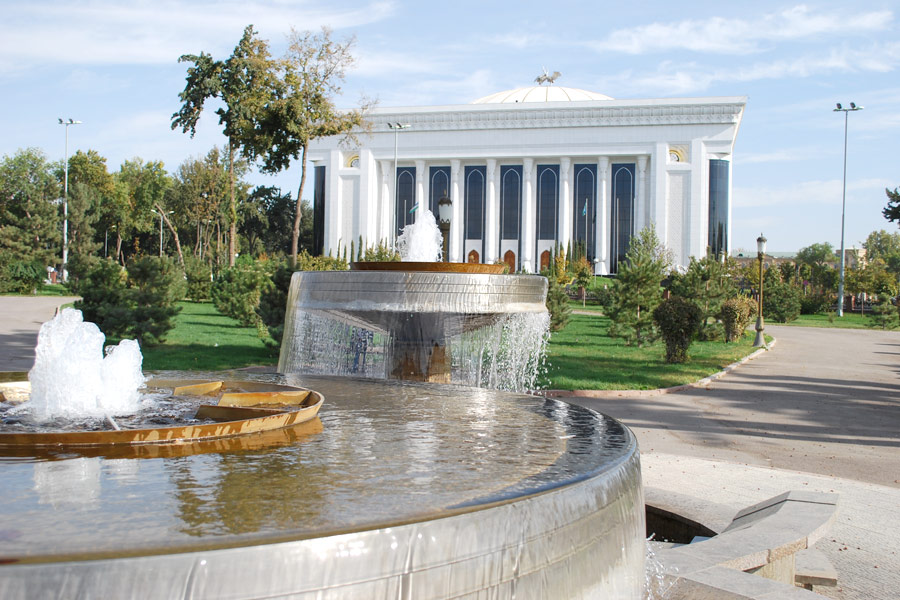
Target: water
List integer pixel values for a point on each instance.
(421, 241)
(382, 452)
(72, 378)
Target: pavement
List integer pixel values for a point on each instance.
(20, 320)
(820, 411)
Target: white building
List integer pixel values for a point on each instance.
(536, 166)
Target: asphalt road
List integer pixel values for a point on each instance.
(21, 318)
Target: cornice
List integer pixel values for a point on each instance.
(448, 119)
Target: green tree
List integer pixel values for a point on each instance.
(708, 283)
(304, 110)
(557, 304)
(818, 258)
(891, 212)
(143, 187)
(583, 275)
(245, 84)
(29, 211)
(637, 291)
(678, 321)
(885, 246)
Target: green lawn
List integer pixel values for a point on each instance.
(583, 357)
(53, 289)
(848, 321)
(204, 340)
(589, 305)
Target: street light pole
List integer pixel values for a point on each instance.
(160, 228)
(760, 341)
(65, 256)
(846, 111)
(396, 127)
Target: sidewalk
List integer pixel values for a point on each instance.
(21, 318)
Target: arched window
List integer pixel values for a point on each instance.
(622, 213)
(439, 186)
(584, 217)
(547, 201)
(474, 209)
(510, 202)
(406, 196)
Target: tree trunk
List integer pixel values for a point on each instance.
(119, 248)
(232, 230)
(295, 238)
(174, 233)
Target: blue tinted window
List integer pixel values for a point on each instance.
(584, 218)
(622, 190)
(510, 202)
(474, 209)
(718, 206)
(438, 187)
(406, 196)
(547, 195)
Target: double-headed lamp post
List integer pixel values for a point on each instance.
(760, 341)
(396, 127)
(65, 256)
(160, 227)
(445, 214)
(846, 111)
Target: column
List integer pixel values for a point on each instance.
(641, 193)
(603, 229)
(528, 228)
(457, 224)
(385, 203)
(368, 194)
(564, 227)
(659, 192)
(491, 233)
(334, 207)
(420, 188)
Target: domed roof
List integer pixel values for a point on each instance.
(541, 93)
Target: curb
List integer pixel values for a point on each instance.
(659, 391)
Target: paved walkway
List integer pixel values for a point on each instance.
(819, 412)
(20, 319)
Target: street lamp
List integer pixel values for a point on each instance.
(396, 127)
(760, 341)
(65, 256)
(846, 111)
(160, 228)
(445, 214)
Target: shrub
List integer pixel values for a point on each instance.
(708, 283)
(380, 253)
(815, 303)
(557, 305)
(78, 268)
(884, 314)
(22, 276)
(198, 274)
(781, 302)
(139, 303)
(736, 314)
(678, 320)
(237, 290)
(155, 285)
(273, 302)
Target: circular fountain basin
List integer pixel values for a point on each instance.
(407, 490)
(241, 409)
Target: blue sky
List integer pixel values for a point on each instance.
(113, 65)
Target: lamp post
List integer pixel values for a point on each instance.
(846, 111)
(396, 127)
(106, 241)
(160, 228)
(65, 256)
(445, 214)
(760, 341)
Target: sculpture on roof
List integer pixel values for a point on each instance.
(546, 77)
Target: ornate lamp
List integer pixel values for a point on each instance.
(445, 214)
(760, 341)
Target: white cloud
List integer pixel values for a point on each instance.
(822, 192)
(106, 32)
(741, 36)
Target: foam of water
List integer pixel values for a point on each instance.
(421, 241)
(71, 378)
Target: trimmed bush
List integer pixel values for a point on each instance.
(199, 278)
(678, 321)
(781, 302)
(815, 303)
(22, 276)
(736, 314)
(237, 290)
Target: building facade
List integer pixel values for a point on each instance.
(532, 168)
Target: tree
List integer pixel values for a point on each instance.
(245, 84)
(143, 186)
(637, 290)
(817, 257)
(29, 211)
(886, 247)
(708, 283)
(891, 212)
(313, 70)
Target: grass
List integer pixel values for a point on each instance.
(848, 321)
(52, 289)
(583, 357)
(589, 305)
(203, 339)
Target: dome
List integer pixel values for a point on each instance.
(541, 93)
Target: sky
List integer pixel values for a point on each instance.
(113, 64)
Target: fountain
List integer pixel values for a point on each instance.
(400, 488)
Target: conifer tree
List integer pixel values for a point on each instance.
(637, 291)
(557, 305)
(708, 284)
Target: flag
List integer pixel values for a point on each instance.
(584, 212)
(413, 209)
